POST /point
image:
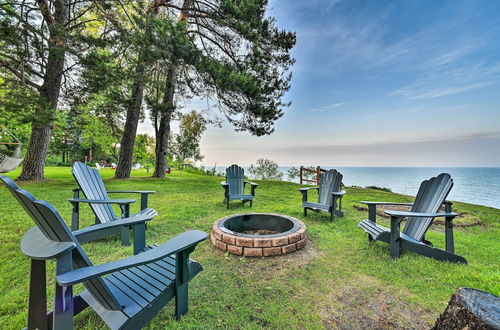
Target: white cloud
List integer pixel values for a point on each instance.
(326, 108)
(445, 80)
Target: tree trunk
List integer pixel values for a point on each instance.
(166, 114)
(470, 309)
(34, 162)
(130, 130)
(164, 129)
(162, 147)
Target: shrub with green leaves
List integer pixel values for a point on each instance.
(265, 169)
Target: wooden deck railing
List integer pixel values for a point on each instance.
(318, 172)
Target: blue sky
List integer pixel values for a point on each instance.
(382, 83)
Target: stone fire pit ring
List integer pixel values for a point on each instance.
(258, 234)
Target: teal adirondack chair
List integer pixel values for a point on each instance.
(234, 186)
(329, 194)
(90, 183)
(431, 195)
(126, 294)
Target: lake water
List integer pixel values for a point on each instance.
(475, 185)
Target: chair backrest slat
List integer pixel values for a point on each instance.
(50, 223)
(431, 195)
(46, 228)
(330, 181)
(235, 177)
(90, 182)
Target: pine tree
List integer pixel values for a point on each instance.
(228, 51)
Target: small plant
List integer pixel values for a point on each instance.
(212, 171)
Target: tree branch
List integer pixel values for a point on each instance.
(24, 65)
(45, 10)
(223, 49)
(18, 74)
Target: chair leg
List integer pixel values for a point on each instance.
(139, 237)
(63, 303)
(450, 245)
(305, 212)
(37, 312)
(63, 308)
(125, 235)
(181, 300)
(75, 218)
(251, 203)
(395, 240)
(181, 282)
(331, 216)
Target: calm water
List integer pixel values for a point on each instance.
(473, 185)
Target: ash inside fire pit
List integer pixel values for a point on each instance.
(259, 234)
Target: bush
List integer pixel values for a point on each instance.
(379, 188)
(265, 169)
(194, 170)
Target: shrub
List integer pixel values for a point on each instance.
(265, 169)
(379, 188)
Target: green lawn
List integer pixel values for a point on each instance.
(338, 279)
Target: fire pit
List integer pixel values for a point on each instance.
(258, 234)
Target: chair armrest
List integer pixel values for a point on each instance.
(35, 245)
(112, 224)
(338, 193)
(178, 243)
(385, 203)
(132, 192)
(304, 191)
(144, 195)
(252, 183)
(102, 201)
(402, 214)
(308, 188)
(224, 183)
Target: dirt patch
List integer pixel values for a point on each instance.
(362, 304)
(270, 267)
(260, 232)
(298, 258)
(462, 220)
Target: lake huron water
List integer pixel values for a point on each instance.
(475, 185)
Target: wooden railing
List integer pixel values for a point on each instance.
(318, 172)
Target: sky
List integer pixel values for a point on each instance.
(380, 83)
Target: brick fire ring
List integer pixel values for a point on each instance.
(258, 234)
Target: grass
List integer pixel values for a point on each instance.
(337, 280)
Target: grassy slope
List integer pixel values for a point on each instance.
(339, 280)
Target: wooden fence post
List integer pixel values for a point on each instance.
(301, 173)
(318, 175)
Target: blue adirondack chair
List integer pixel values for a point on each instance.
(234, 186)
(329, 194)
(431, 195)
(126, 294)
(90, 183)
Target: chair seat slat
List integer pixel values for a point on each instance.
(144, 283)
(130, 306)
(133, 286)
